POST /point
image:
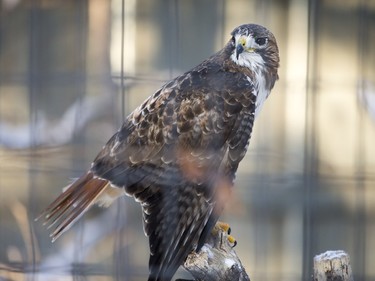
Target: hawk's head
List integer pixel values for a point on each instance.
(254, 47)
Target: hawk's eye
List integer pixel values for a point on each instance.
(233, 40)
(261, 41)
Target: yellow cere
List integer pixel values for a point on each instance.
(242, 41)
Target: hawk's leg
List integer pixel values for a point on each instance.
(225, 228)
(216, 260)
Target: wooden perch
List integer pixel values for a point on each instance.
(332, 266)
(217, 260)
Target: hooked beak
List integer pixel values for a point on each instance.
(239, 50)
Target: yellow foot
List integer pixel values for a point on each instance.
(225, 228)
(232, 240)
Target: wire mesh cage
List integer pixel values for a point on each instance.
(71, 71)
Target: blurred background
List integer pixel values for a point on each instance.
(70, 71)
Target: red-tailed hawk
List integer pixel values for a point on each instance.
(178, 152)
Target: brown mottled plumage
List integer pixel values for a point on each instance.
(177, 153)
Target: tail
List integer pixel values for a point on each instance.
(75, 200)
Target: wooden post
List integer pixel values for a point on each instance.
(332, 266)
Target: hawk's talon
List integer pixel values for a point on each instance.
(232, 240)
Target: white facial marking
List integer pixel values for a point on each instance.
(248, 58)
(253, 61)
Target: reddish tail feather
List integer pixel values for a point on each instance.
(73, 203)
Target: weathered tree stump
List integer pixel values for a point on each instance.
(217, 260)
(332, 266)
